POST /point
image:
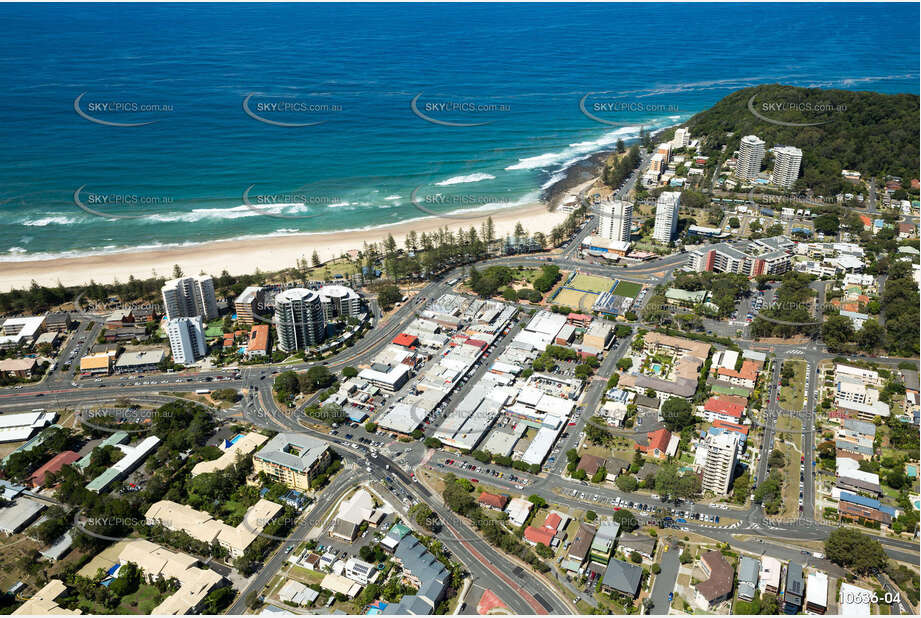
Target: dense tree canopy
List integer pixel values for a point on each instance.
(867, 131)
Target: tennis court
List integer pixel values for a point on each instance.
(628, 289)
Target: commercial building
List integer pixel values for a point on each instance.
(614, 220)
(787, 160)
(355, 511)
(21, 331)
(188, 297)
(58, 322)
(722, 456)
(203, 527)
(666, 216)
(598, 335)
(299, 319)
(389, 377)
(143, 360)
(466, 425)
(98, 364)
(250, 304)
(158, 563)
(293, 459)
(19, 427)
(751, 153)
(186, 339)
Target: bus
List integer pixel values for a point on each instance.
(453, 281)
(203, 391)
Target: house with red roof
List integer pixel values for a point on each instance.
(724, 408)
(867, 223)
(745, 377)
(545, 533)
(659, 444)
(53, 466)
(493, 501)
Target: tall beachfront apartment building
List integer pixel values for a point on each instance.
(722, 455)
(787, 161)
(751, 153)
(187, 339)
(299, 319)
(614, 220)
(187, 297)
(666, 216)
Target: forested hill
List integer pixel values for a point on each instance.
(875, 134)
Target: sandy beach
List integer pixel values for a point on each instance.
(245, 256)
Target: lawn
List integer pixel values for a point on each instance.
(628, 289)
(142, 601)
(791, 481)
(792, 396)
(790, 425)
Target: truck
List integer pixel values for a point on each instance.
(818, 554)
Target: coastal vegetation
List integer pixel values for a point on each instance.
(866, 131)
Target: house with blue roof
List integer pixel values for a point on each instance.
(861, 508)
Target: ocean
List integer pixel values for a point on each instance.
(154, 125)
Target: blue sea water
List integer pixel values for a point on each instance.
(199, 165)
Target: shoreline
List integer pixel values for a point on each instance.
(269, 253)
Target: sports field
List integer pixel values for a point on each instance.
(590, 283)
(580, 301)
(628, 289)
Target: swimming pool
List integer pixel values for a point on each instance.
(657, 368)
(234, 439)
